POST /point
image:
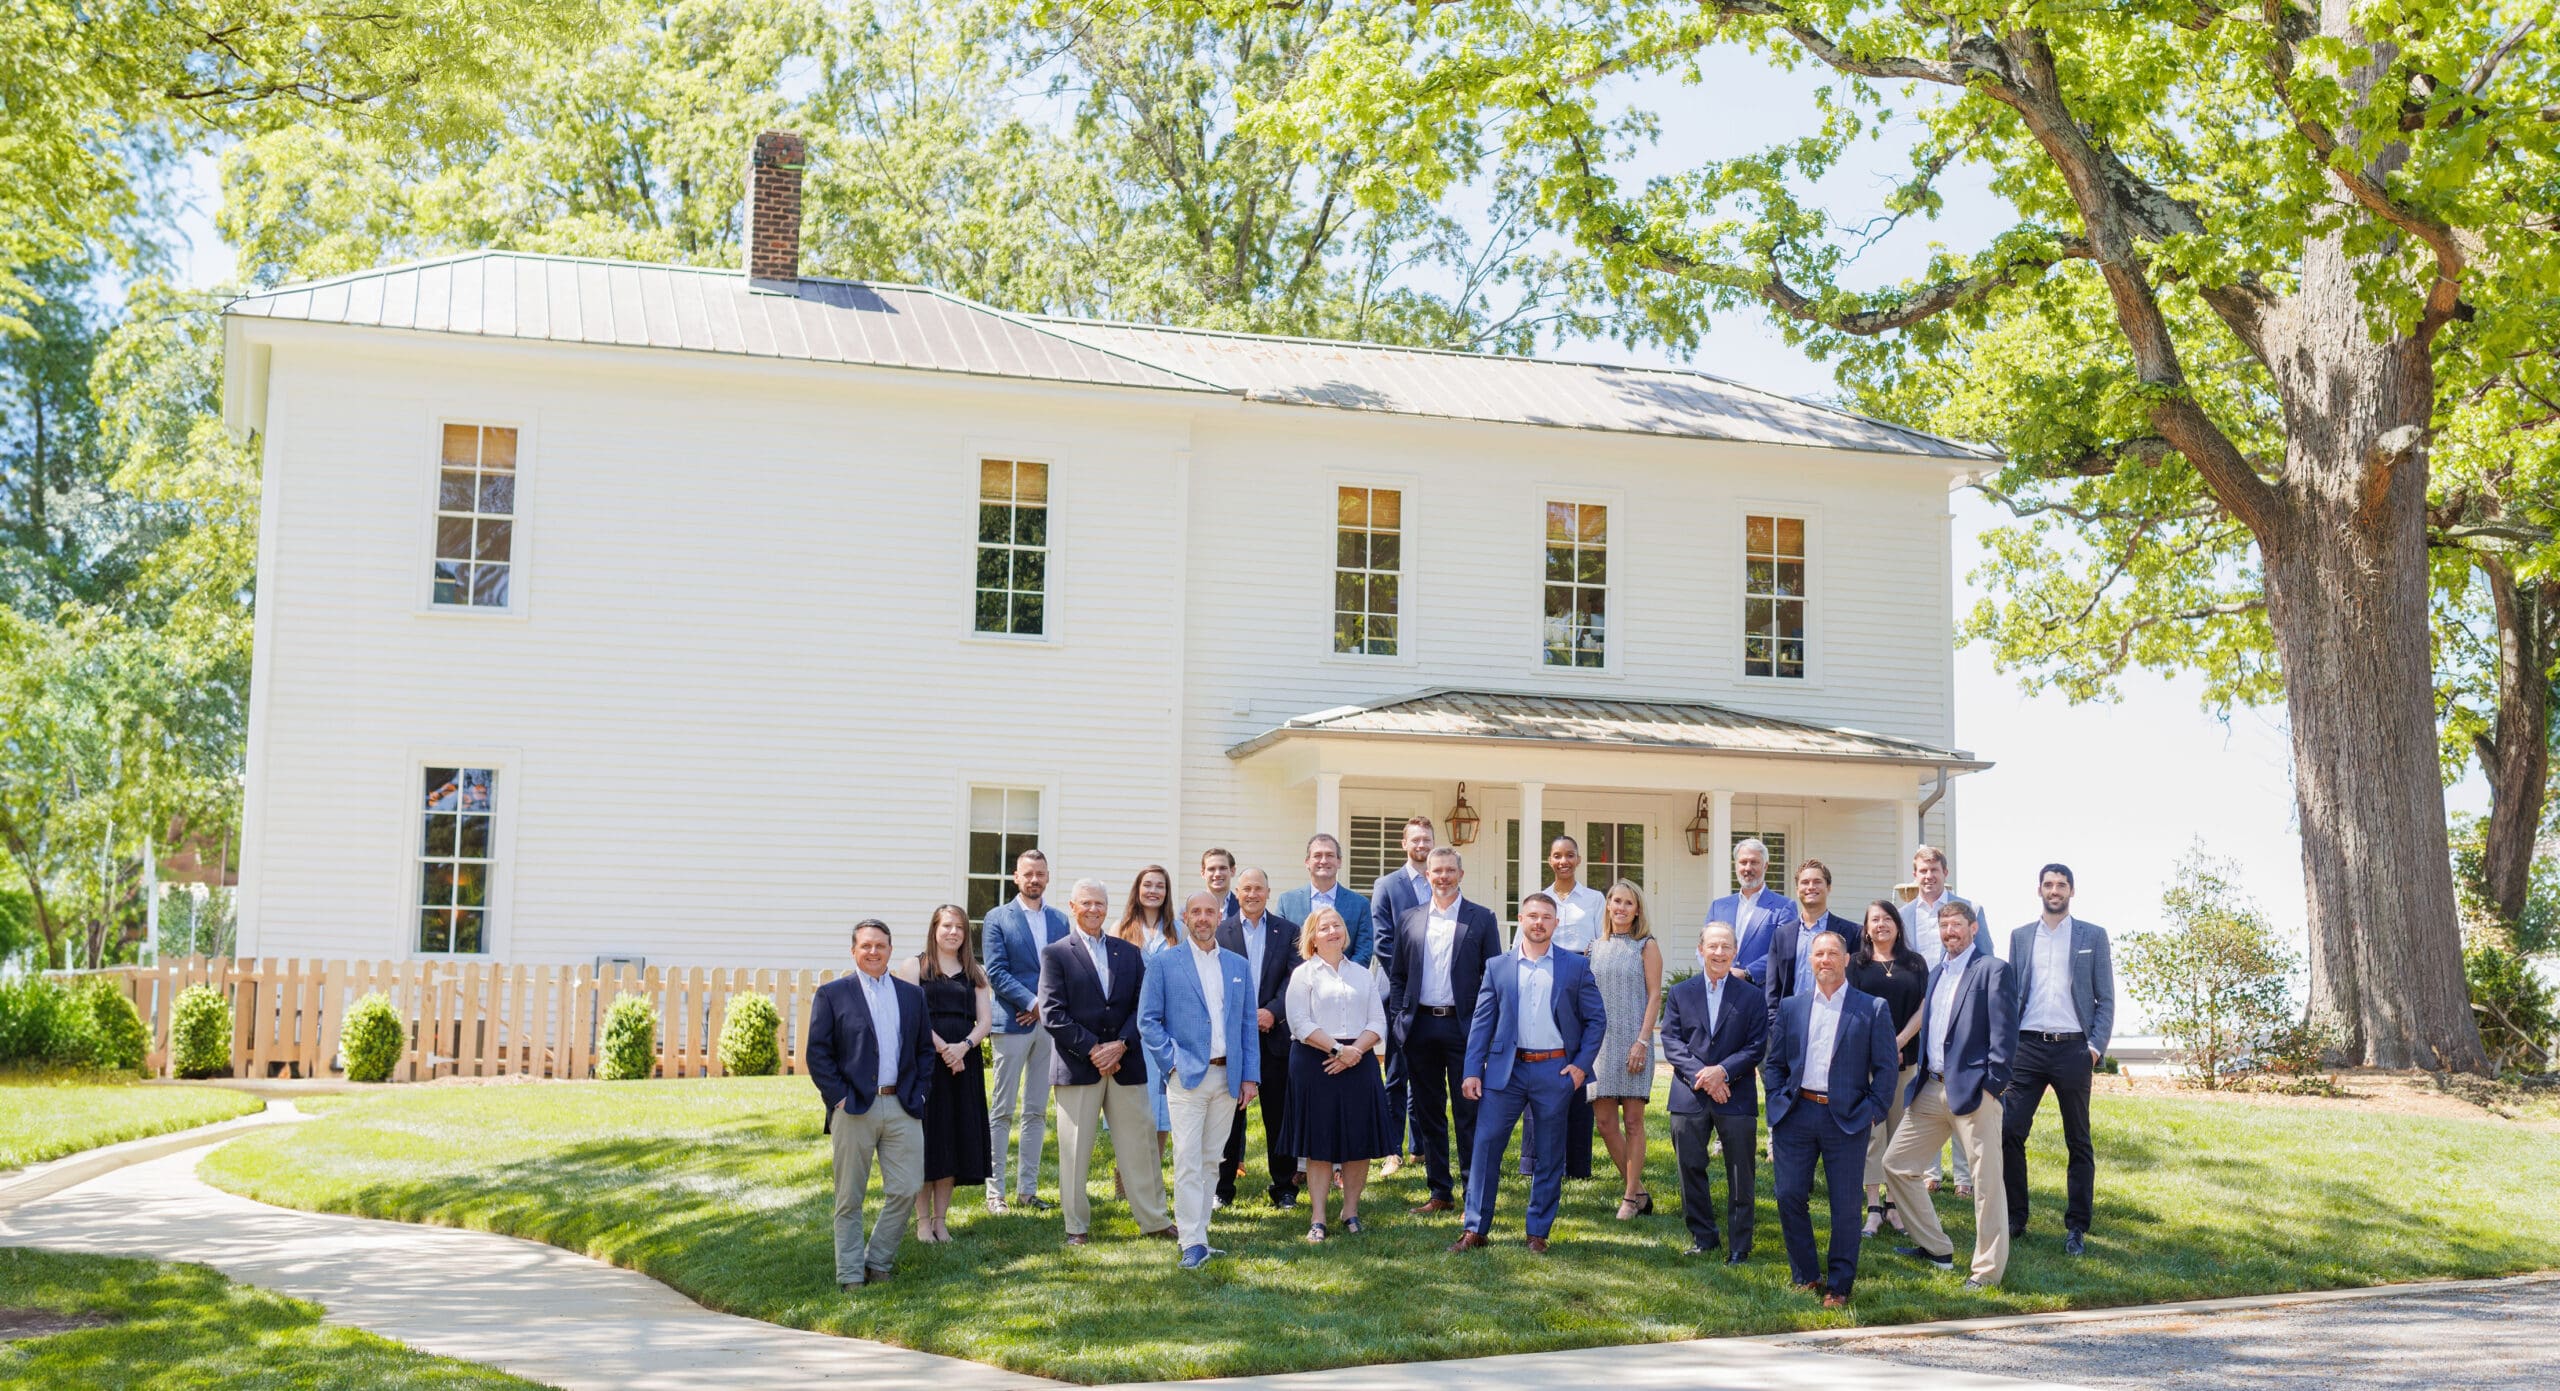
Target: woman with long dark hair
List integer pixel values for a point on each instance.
(1886, 967)
(1152, 924)
(961, 1011)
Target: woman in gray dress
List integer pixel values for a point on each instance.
(1627, 964)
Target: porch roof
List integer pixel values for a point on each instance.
(1448, 715)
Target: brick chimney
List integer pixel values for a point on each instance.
(773, 206)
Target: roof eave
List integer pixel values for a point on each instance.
(1953, 762)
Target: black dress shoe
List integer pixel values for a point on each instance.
(1736, 1258)
(1696, 1250)
(1945, 1262)
(2073, 1244)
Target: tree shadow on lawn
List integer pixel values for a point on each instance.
(738, 1216)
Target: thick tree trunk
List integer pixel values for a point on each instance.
(2516, 753)
(2347, 597)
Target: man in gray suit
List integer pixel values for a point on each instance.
(2062, 978)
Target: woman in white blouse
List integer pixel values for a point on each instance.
(1337, 1109)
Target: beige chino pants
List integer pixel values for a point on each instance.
(1202, 1116)
(1926, 1125)
(888, 1134)
(1133, 1121)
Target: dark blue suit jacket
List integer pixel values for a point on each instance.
(1865, 1062)
(1388, 898)
(844, 1056)
(1079, 1015)
(1778, 970)
(1981, 1038)
(1279, 959)
(1493, 1036)
(1741, 1031)
(1479, 941)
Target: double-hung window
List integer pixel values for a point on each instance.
(1773, 597)
(1003, 822)
(475, 517)
(1013, 547)
(1577, 585)
(457, 856)
(1368, 570)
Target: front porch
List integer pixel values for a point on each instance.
(1656, 791)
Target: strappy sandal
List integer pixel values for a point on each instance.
(1315, 1233)
(1351, 1225)
(1893, 1216)
(1875, 1218)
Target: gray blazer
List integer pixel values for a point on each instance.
(2093, 978)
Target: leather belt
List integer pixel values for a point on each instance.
(1817, 1098)
(1218, 1061)
(1438, 1011)
(2073, 1037)
(888, 1091)
(1540, 1055)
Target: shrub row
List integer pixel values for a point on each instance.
(86, 1024)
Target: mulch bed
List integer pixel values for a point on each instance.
(18, 1325)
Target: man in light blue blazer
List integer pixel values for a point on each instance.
(1829, 1069)
(1757, 912)
(1197, 1019)
(1530, 1047)
(1010, 944)
(1324, 870)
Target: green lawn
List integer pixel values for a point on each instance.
(184, 1326)
(720, 1189)
(44, 1119)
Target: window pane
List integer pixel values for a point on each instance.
(1031, 526)
(1386, 509)
(473, 842)
(470, 886)
(995, 567)
(1031, 482)
(1559, 521)
(995, 522)
(1014, 845)
(1382, 593)
(1030, 571)
(1350, 549)
(1386, 551)
(1791, 619)
(1350, 593)
(450, 585)
(435, 930)
(995, 480)
(984, 895)
(439, 836)
(1559, 563)
(991, 611)
(1790, 536)
(1382, 636)
(1790, 658)
(1755, 656)
(1791, 577)
(466, 931)
(1758, 617)
(453, 493)
(462, 445)
(1559, 602)
(489, 586)
(1590, 604)
(1026, 614)
(444, 788)
(986, 809)
(497, 447)
(1351, 507)
(490, 540)
(435, 885)
(1589, 657)
(1349, 634)
(1591, 565)
(1595, 524)
(453, 538)
(498, 493)
(1758, 577)
(1021, 815)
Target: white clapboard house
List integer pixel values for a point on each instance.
(690, 614)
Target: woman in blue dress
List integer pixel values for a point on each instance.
(1150, 924)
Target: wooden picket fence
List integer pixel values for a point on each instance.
(466, 1019)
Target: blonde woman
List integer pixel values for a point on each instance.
(1337, 1114)
(1627, 964)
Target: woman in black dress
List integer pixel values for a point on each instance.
(960, 1008)
(1886, 967)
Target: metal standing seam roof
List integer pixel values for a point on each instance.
(568, 299)
(1678, 726)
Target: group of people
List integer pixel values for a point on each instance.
(1364, 1029)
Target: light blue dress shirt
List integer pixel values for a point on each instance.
(1253, 934)
(880, 995)
(1538, 1004)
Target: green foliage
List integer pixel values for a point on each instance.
(200, 1032)
(2519, 1011)
(123, 1040)
(2217, 983)
(751, 1037)
(630, 1039)
(46, 1023)
(372, 1038)
(2536, 931)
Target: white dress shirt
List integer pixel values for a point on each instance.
(1821, 1035)
(1439, 955)
(1921, 926)
(880, 994)
(1581, 917)
(2050, 1008)
(1538, 1004)
(1340, 1000)
(1101, 958)
(1942, 1006)
(1213, 989)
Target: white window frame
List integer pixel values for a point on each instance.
(520, 536)
(1740, 574)
(506, 766)
(1052, 618)
(1047, 787)
(1613, 635)
(1408, 591)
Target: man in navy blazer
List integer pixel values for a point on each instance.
(870, 1052)
(1089, 987)
(1432, 991)
(1756, 912)
(1713, 1030)
(1268, 943)
(1968, 1029)
(1830, 1069)
(1784, 973)
(1530, 1046)
(1324, 871)
(1010, 944)
(1396, 891)
(1196, 1014)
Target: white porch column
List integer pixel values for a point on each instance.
(1329, 806)
(1909, 810)
(1720, 818)
(1533, 811)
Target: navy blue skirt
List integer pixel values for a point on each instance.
(1335, 1117)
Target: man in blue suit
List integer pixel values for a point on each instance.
(1787, 971)
(1010, 944)
(1968, 1031)
(1196, 1012)
(870, 1052)
(1397, 891)
(1830, 1069)
(1432, 991)
(1324, 870)
(1757, 912)
(1536, 1030)
(1713, 1030)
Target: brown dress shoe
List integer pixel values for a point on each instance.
(1076, 1238)
(1435, 1205)
(1468, 1241)
(1538, 1245)
(1162, 1234)
(1835, 1301)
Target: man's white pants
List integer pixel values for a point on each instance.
(1202, 1116)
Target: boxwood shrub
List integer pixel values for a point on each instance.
(200, 1032)
(750, 1038)
(630, 1038)
(371, 1039)
(123, 1043)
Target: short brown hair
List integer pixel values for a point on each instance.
(1423, 821)
(1929, 852)
(1816, 866)
(1218, 852)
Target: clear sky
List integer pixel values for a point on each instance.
(2118, 791)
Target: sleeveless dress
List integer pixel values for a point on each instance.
(1617, 967)
(955, 1111)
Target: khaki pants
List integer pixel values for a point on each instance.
(897, 1140)
(1203, 1117)
(1892, 1122)
(1133, 1119)
(1925, 1126)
